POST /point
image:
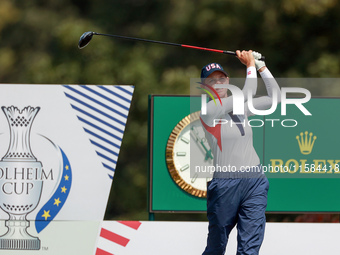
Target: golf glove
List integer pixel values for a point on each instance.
(258, 63)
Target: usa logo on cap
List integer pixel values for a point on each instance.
(210, 68)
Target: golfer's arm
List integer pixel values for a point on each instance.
(273, 89)
(271, 85)
(250, 84)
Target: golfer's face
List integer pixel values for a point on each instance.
(218, 78)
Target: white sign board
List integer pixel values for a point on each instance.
(59, 146)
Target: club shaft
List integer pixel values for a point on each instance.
(169, 43)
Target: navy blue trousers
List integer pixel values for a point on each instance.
(240, 201)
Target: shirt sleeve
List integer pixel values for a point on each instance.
(273, 90)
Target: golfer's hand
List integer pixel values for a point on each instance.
(246, 57)
(259, 64)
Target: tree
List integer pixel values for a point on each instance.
(38, 44)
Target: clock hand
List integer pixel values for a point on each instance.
(208, 153)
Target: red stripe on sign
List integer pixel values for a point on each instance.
(102, 252)
(114, 237)
(132, 224)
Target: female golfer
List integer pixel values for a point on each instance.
(237, 196)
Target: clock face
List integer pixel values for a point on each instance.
(186, 150)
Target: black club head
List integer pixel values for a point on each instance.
(85, 39)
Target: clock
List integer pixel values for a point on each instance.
(188, 155)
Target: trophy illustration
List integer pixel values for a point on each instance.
(20, 180)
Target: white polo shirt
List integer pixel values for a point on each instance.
(231, 140)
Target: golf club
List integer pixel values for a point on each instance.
(87, 36)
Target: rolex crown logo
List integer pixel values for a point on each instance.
(306, 142)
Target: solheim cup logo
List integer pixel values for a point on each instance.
(20, 180)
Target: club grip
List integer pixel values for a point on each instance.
(234, 53)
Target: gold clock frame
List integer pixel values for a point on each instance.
(170, 154)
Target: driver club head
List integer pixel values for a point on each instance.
(85, 39)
